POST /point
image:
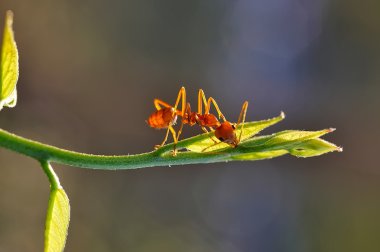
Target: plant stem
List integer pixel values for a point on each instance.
(161, 157)
(53, 178)
(297, 143)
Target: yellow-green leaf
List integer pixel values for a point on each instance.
(57, 221)
(9, 65)
(250, 129)
(295, 142)
(314, 147)
(293, 137)
(301, 148)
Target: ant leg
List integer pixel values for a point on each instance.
(184, 107)
(211, 146)
(181, 95)
(201, 98)
(207, 110)
(165, 139)
(158, 103)
(206, 131)
(207, 104)
(188, 108)
(175, 137)
(212, 137)
(180, 129)
(178, 134)
(241, 119)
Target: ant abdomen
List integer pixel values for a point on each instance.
(162, 118)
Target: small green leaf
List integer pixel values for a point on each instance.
(9, 65)
(250, 129)
(314, 147)
(57, 221)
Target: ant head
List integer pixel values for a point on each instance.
(226, 133)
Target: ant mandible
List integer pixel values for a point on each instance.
(166, 117)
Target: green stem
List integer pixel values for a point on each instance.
(162, 157)
(53, 178)
(297, 143)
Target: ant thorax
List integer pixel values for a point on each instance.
(208, 120)
(190, 118)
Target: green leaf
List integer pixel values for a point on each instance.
(295, 142)
(57, 221)
(314, 147)
(250, 129)
(9, 65)
(289, 138)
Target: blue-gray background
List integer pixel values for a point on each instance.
(90, 71)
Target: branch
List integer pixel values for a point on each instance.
(297, 143)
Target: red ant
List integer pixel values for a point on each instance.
(166, 117)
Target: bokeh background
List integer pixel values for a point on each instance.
(91, 69)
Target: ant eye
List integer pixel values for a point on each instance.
(221, 139)
(233, 126)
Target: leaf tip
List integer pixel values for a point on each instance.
(9, 18)
(330, 130)
(339, 149)
(282, 115)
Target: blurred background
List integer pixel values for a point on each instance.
(91, 69)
